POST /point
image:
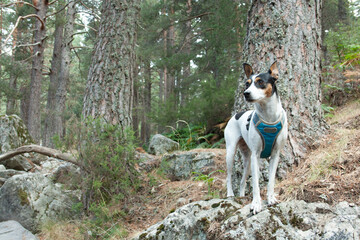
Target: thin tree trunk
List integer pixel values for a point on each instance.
(290, 33)
(64, 74)
(109, 89)
(187, 50)
(11, 100)
(34, 120)
(49, 128)
(136, 106)
(172, 36)
(145, 123)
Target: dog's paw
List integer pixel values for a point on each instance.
(272, 200)
(255, 206)
(229, 196)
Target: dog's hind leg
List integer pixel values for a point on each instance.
(230, 153)
(246, 158)
(272, 172)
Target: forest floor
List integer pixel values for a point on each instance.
(330, 173)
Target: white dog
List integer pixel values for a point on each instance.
(259, 133)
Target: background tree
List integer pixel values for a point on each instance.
(59, 76)
(34, 92)
(292, 37)
(109, 89)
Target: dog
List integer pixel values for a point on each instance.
(259, 133)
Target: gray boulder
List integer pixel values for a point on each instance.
(8, 173)
(160, 144)
(32, 198)
(181, 165)
(12, 230)
(225, 219)
(13, 135)
(59, 171)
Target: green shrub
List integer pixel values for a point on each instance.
(107, 154)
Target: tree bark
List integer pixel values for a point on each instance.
(11, 100)
(145, 123)
(187, 50)
(64, 74)
(109, 89)
(290, 33)
(59, 77)
(34, 120)
(49, 128)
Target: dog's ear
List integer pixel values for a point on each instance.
(248, 70)
(274, 72)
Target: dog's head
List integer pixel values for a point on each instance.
(260, 86)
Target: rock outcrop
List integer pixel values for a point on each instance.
(12, 230)
(14, 134)
(32, 199)
(181, 165)
(227, 219)
(160, 144)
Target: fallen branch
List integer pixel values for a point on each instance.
(50, 152)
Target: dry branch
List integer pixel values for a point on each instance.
(18, 21)
(50, 152)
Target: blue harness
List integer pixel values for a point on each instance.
(268, 133)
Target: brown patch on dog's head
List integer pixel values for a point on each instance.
(268, 90)
(274, 72)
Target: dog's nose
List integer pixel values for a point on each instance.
(247, 94)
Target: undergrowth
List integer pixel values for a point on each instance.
(107, 153)
(190, 136)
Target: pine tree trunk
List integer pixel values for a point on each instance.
(11, 100)
(64, 74)
(145, 123)
(109, 89)
(187, 50)
(55, 68)
(290, 33)
(34, 120)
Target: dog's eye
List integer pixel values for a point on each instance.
(247, 84)
(260, 83)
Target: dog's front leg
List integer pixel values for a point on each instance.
(230, 153)
(272, 172)
(256, 202)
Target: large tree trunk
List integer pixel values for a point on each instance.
(109, 87)
(290, 33)
(34, 120)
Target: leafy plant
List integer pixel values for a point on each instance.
(207, 179)
(189, 137)
(328, 110)
(107, 153)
